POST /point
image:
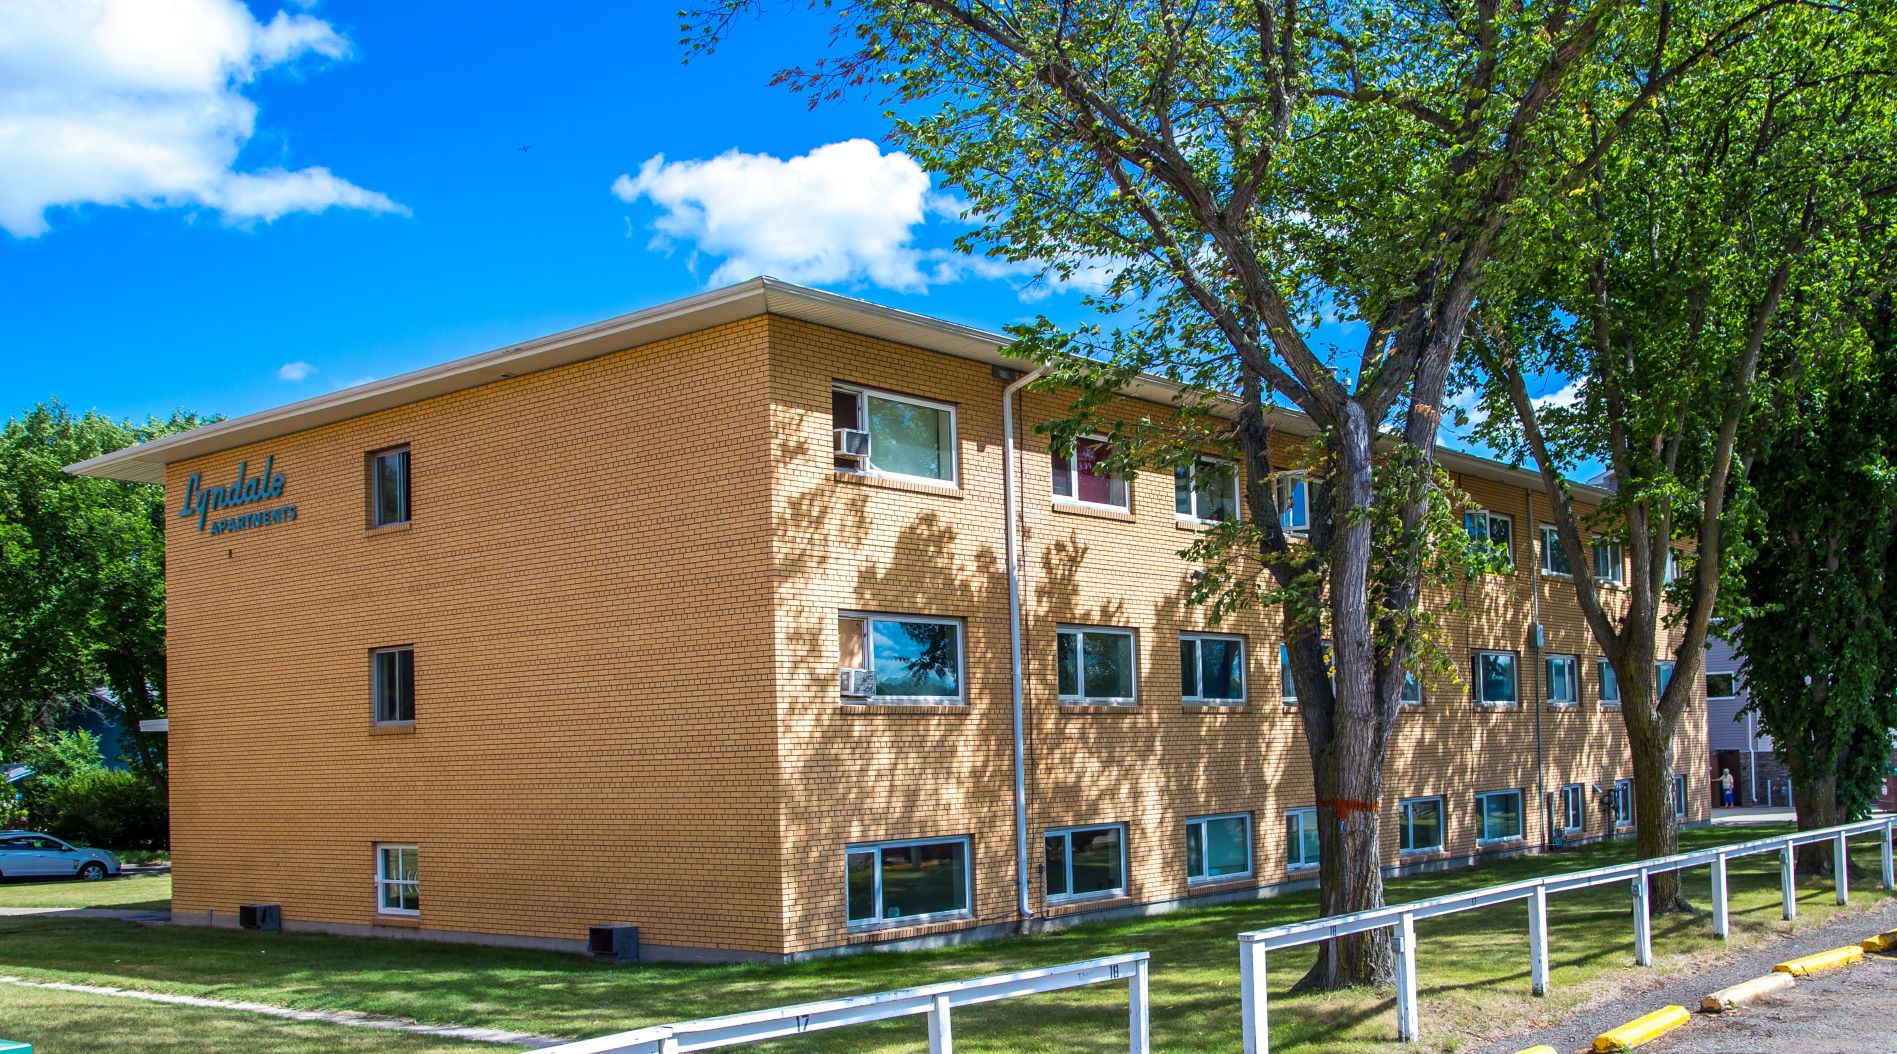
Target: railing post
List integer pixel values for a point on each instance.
(1787, 891)
(1251, 997)
(1841, 869)
(1721, 921)
(1406, 979)
(1139, 1017)
(940, 1041)
(1890, 876)
(1538, 941)
(1643, 922)
(668, 1045)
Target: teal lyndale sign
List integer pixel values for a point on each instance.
(201, 501)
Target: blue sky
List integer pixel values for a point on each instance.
(225, 208)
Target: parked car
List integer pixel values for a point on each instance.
(29, 854)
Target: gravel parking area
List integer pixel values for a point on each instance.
(1850, 1011)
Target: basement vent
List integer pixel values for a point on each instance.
(614, 944)
(264, 918)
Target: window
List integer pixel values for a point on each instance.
(1554, 559)
(1218, 848)
(1211, 669)
(1422, 821)
(388, 487)
(1624, 803)
(1096, 665)
(393, 672)
(1287, 685)
(1495, 529)
(906, 880)
(1573, 814)
(397, 884)
(1608, 565)
(1721, 686)
(1662, 676)
(1078, 477)
(1206, 490)
(1610, 685)
(1499, 816)
(1291, 491)
(1564, 684)
(1411, 694)
(1673, 566)
(908, 438)
(910, 660)
(1495, 678)
(1679, 796)
(1086, 862)
(1300, 832)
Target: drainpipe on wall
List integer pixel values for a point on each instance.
(1012, 529)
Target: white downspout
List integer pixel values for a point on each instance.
(1014, 637)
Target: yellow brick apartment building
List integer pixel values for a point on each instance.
(699, 620)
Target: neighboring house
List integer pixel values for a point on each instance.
(699, 619)
(1733, 739)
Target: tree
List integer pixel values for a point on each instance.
(82, 576)
(1725, 233)
(1239, 168)
(1819, 618)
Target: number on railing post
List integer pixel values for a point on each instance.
(1890, 875)
(1406, 979)
(1787, 891)
(1538, 941)
(1251, 997)
(1139, 1018)
(1841, 869)
(1643, 922)
(940, 1040)
(1721, 924)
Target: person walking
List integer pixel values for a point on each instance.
(1725, 787)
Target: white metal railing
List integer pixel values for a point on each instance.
(934, 1001)
(1402, 918)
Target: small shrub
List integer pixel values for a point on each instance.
(111, 808)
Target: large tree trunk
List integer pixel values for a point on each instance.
(1656, 829)
(1816, 796)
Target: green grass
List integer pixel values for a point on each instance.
(126, 893)
(70, 1023)
(1473, 970)
(141, 857)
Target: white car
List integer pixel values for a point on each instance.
(29, 854)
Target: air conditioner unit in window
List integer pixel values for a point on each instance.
(613, 944)
(852, 443)
(856, 684)
(264, 918)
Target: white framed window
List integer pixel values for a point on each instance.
(1679, 796)
(908, 438)
(1494, 529)
(1610, 685)
(1563, 680)
(1287, 685)
(1085, 862)
(392, 684)
(1624, 803)
(1291, 491)
(1300, 837)
(1609, 565)
(1422, 823)
(910, 658)
(388, 487)
(1080, 480)
(1218, 848)
(1722, 685)
(398, 888)
(1211, 669)
(1498, 816)
(1554, 559)
(1096, 665)
(1662, 676)
(909, 881)
(1495, 679)
(1573, 808)
(1674, 566)
(1206, 491)
(1411, 694)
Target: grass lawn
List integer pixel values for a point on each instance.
(1473, 970)
(70, 1023)
(127, 892)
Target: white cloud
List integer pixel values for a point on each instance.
(295, 371)
(141, 102)
(842, 213)
(1568, 395)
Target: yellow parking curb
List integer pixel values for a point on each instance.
(1642, 1030)
(1883, 942)
(1835, 959)
(1741, 994)
(1543, 1049)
